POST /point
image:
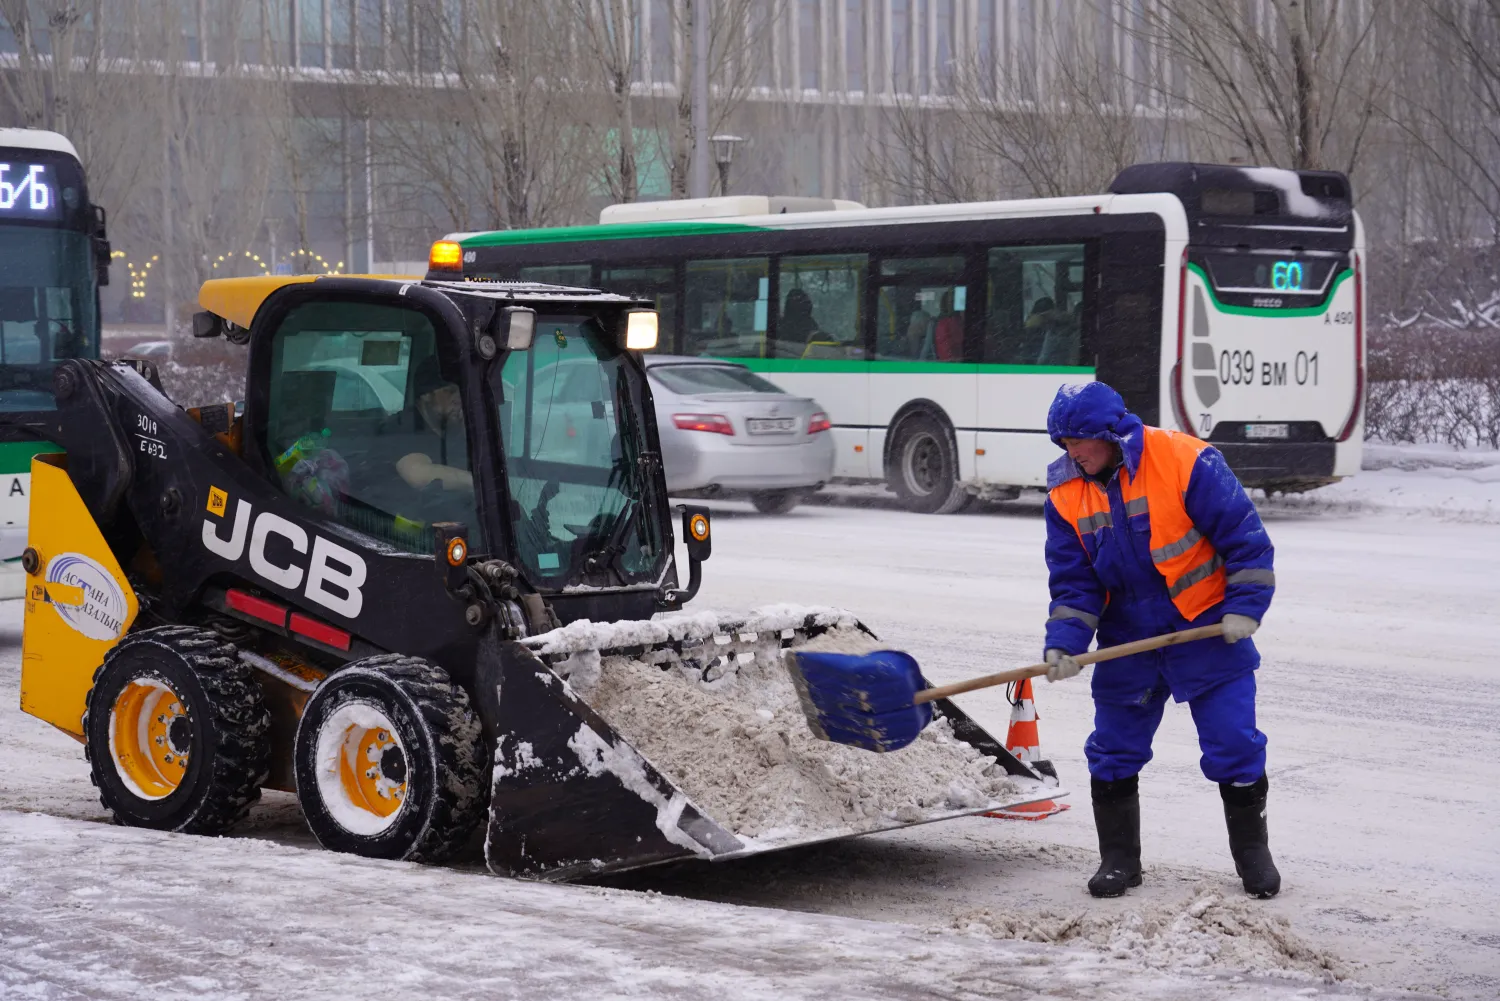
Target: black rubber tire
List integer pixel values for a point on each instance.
(445, 768)
(776, 501)
(923, 469)
(229, 747)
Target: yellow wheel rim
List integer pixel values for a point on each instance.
(150, 738)
(361, 768)
(368, 754)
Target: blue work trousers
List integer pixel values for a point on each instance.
(1233, 749)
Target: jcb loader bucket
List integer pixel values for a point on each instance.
(572, 797)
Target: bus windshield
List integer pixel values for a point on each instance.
(48, 309)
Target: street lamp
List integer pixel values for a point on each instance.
(723, 154)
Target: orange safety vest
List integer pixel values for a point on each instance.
(1192, 568)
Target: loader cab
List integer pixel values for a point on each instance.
(372, 404)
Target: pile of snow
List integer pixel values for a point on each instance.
(740, 748)
(1430, 481)
(1206, 929)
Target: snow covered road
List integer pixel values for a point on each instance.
(1381, 703)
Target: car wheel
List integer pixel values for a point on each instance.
(176, 732)
(775, 501)
(389, 758)
(924, 467)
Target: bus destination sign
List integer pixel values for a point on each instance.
(27, 192)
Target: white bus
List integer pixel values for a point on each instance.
(1222, 301)
(53, 258)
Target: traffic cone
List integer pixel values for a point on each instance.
(1025, 742)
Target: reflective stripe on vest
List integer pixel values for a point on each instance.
(1192, 569)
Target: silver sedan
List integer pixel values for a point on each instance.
(725, 429)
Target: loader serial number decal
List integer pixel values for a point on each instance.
(278, 552)
(85, 595)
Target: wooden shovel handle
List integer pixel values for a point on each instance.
(1097, 657)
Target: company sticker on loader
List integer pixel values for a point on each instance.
(86, 596)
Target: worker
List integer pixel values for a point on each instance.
(439, 433)
(1149, 532)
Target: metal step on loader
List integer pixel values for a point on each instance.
(362, 587)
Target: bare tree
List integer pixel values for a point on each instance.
(1051, 121)
(608, 30)
(64, 81)
(480, 122)
(1290, 83)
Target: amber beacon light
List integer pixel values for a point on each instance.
(446, 256)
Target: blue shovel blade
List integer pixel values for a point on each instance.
(864, 700)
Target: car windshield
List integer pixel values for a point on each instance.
(694, 380)
(48, 310)
(582, 498)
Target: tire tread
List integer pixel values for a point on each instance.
(241, 759)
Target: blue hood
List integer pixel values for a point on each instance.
(1092, 410)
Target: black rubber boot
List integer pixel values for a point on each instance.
(1245, 815)
(1117, 817)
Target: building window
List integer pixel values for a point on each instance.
(726, 306)
(921, 43)
(663, 28)
(900, 28)
(944, 69)
(984, 48)
(822, 306)
(341, 42)
(369, 29)
(854, 44)
(310, 33)
(810, 39)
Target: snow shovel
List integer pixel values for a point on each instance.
(880, 701)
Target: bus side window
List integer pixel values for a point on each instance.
(726, 307)
(822, 306)
(919, 309)
(1036, 305)
(576, 275)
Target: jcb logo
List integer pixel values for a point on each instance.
(332, 577)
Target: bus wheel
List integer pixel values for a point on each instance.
(924, 467)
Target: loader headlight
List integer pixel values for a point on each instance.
(517, 327)
(640, 329)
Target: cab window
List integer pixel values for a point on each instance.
(572, 447)
(364, 426)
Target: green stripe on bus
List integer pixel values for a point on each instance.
(1270, 311)
(588, 234)
(15, 456)
(902, 367)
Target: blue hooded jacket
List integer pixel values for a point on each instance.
(1117, 588)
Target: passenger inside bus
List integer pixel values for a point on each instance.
(948, 333)
(798, 325)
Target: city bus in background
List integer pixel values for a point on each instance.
(1219, 300)
(53, 258)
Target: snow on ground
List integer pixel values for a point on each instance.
(1381, 703)
(94, 911)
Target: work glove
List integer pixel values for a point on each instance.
(1239, 627)
(1060, 665)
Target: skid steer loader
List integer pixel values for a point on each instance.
(359, 587)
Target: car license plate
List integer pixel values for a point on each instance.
(771, 425)
(1265, 431)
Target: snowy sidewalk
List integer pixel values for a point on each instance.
(90, 910)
